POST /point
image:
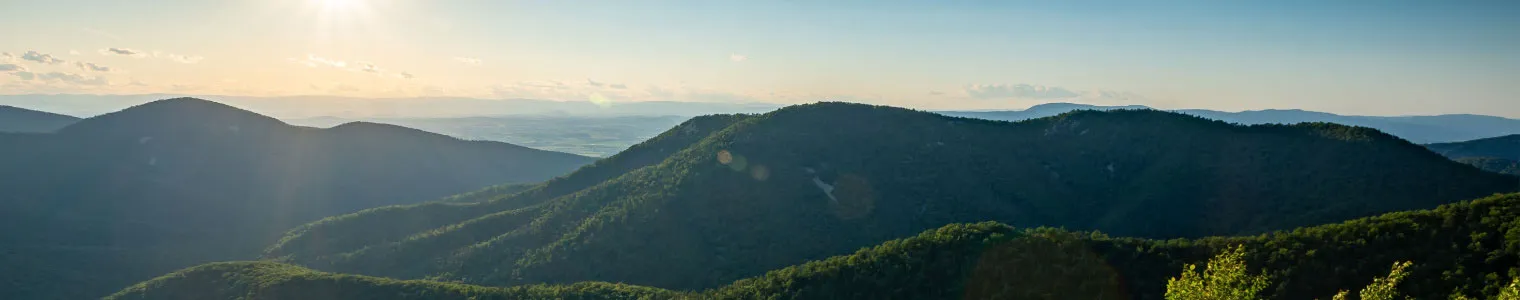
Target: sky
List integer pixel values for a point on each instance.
(1349, 57)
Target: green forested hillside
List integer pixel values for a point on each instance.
(1470, 249)
(276, 281)
(807, 182)
(1492, 164)
(1506, 147)
(121, 197)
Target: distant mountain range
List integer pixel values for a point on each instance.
(16, 119)
(726, 197)
(300, 107)
(312, 110)
(1418, 129)
(599, 136)
(120, 197)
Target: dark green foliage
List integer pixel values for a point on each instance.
(117, 198)
(1471, 248)
(1496, 165)
(1506, 147)
(15, 119)
(734, 202)
(275, 281)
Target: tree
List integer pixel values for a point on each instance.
(1383, 288)
(1224, 278)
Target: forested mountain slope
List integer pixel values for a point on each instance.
(16, 119)
(1469, 249)
(810, 181)
(117, 198)
(1497, 154)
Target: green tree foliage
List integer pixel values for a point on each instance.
(121, 197)
(1469, 248)
(275, 281)
(1224, 278)
(1492, 164)
(736, 196)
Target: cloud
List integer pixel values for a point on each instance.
(593, 82)
(92, 67)
(41, 58)
(618, 86)
(737, 57)
(369, 67)
(123, 51)
(64, 77)
(184, 59)
(1017, 91)
(11, 67)
(405, 75)
(6, 57)
(315, 61)
(468, 60)
(73, 52)
(936, 93)
(659, 92)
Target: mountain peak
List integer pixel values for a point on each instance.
(175, 115)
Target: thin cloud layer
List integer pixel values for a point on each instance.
(1018, 91)
(92, 67)
(738, 57)
(41, 58)
(63, 77)
(123, 52)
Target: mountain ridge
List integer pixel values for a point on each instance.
(183, 181)
(803, 173)
(20, 120)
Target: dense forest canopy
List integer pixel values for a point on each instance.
(1469, 249)
(727, 197)
(121, 197)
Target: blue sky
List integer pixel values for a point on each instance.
(1355, 57)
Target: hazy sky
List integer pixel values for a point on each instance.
(1354, 57)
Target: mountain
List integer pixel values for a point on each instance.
(1496, 154)
(1505, 147)
(1465, 249)
(1419, 129)
(16, 119)
(1496, 165)
(120, 197)
(727, 197)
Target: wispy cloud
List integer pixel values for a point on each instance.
(738, 57)
(618, 86)
(1017, 91)
(92, 67)
(11, 67)
(468, 60)
(369, 67)
(593, 82)
(41, 58)
(405, 75)
(123, 51)
(180, 58)
(63, 77)
(317, 61)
